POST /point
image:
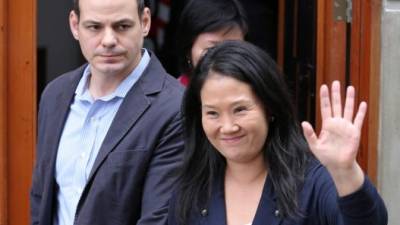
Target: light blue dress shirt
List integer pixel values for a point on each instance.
(85, 128)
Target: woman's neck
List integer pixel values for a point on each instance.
(246, 173)
(243, 189)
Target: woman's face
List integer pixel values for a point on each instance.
(233, 118)
(209, 39)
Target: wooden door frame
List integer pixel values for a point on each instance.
(3, 110)
(280, 55)
(364, 66)
(18, 89)
(17, 108)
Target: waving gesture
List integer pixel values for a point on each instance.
(337, 144)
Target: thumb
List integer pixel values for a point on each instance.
(309, 134)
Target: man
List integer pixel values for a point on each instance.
(109, 138)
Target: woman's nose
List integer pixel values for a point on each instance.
(229, 125)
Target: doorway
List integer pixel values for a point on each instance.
(284, 29)
(19, 40)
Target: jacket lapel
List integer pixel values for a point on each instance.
(216, 213)
(133, 106)
(57, 116)
(267, 213)
(55, 119)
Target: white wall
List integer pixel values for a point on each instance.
(389, 140)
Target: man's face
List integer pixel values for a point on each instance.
(110, 33)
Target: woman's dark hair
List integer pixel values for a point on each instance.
(201, 16)
(286, 151)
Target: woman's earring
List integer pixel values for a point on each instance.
(272, 119)
(189, 62)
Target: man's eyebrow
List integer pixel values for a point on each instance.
(87, 22)
(124, 21)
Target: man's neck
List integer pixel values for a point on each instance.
(100, 84)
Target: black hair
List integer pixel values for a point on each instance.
(141, 5)
(200, 16)
(286, 152)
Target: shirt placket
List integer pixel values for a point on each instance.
(90, 129)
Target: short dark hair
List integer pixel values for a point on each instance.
(200, 16)
(141, 6)
(285, 151)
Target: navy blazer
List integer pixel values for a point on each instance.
(134, 172)
(318, 202)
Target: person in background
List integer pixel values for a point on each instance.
(202, 25)
(247, 160)
(109, 133)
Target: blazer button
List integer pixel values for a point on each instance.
(204, 212)
(276, 213)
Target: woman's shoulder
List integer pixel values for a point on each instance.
(315, 170)
(317, 179)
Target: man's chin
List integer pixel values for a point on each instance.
(110, 68)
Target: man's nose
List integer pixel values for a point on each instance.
(109, 38)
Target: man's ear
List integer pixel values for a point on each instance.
(146, 21)
(74, 24)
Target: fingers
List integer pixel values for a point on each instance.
(329, 110)
(349, 104)
(309, 134)
(336, 99)
(359, 119)
(326, 111)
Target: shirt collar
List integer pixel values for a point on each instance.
(82, 90)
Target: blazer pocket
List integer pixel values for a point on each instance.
(128, 158)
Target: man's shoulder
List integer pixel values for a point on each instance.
(155, 77)
(172, 83)
(172, 89)
(60, 83)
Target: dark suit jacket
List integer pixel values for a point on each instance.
(134, 172)
(318, 202)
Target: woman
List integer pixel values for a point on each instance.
(202, 25)
(247, 161)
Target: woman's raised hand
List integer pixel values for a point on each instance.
(338, 142)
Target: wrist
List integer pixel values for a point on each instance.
(347, 180)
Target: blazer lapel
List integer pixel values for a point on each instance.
(132, 107)
(129, 112)
(56, 116)
(55, 119)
